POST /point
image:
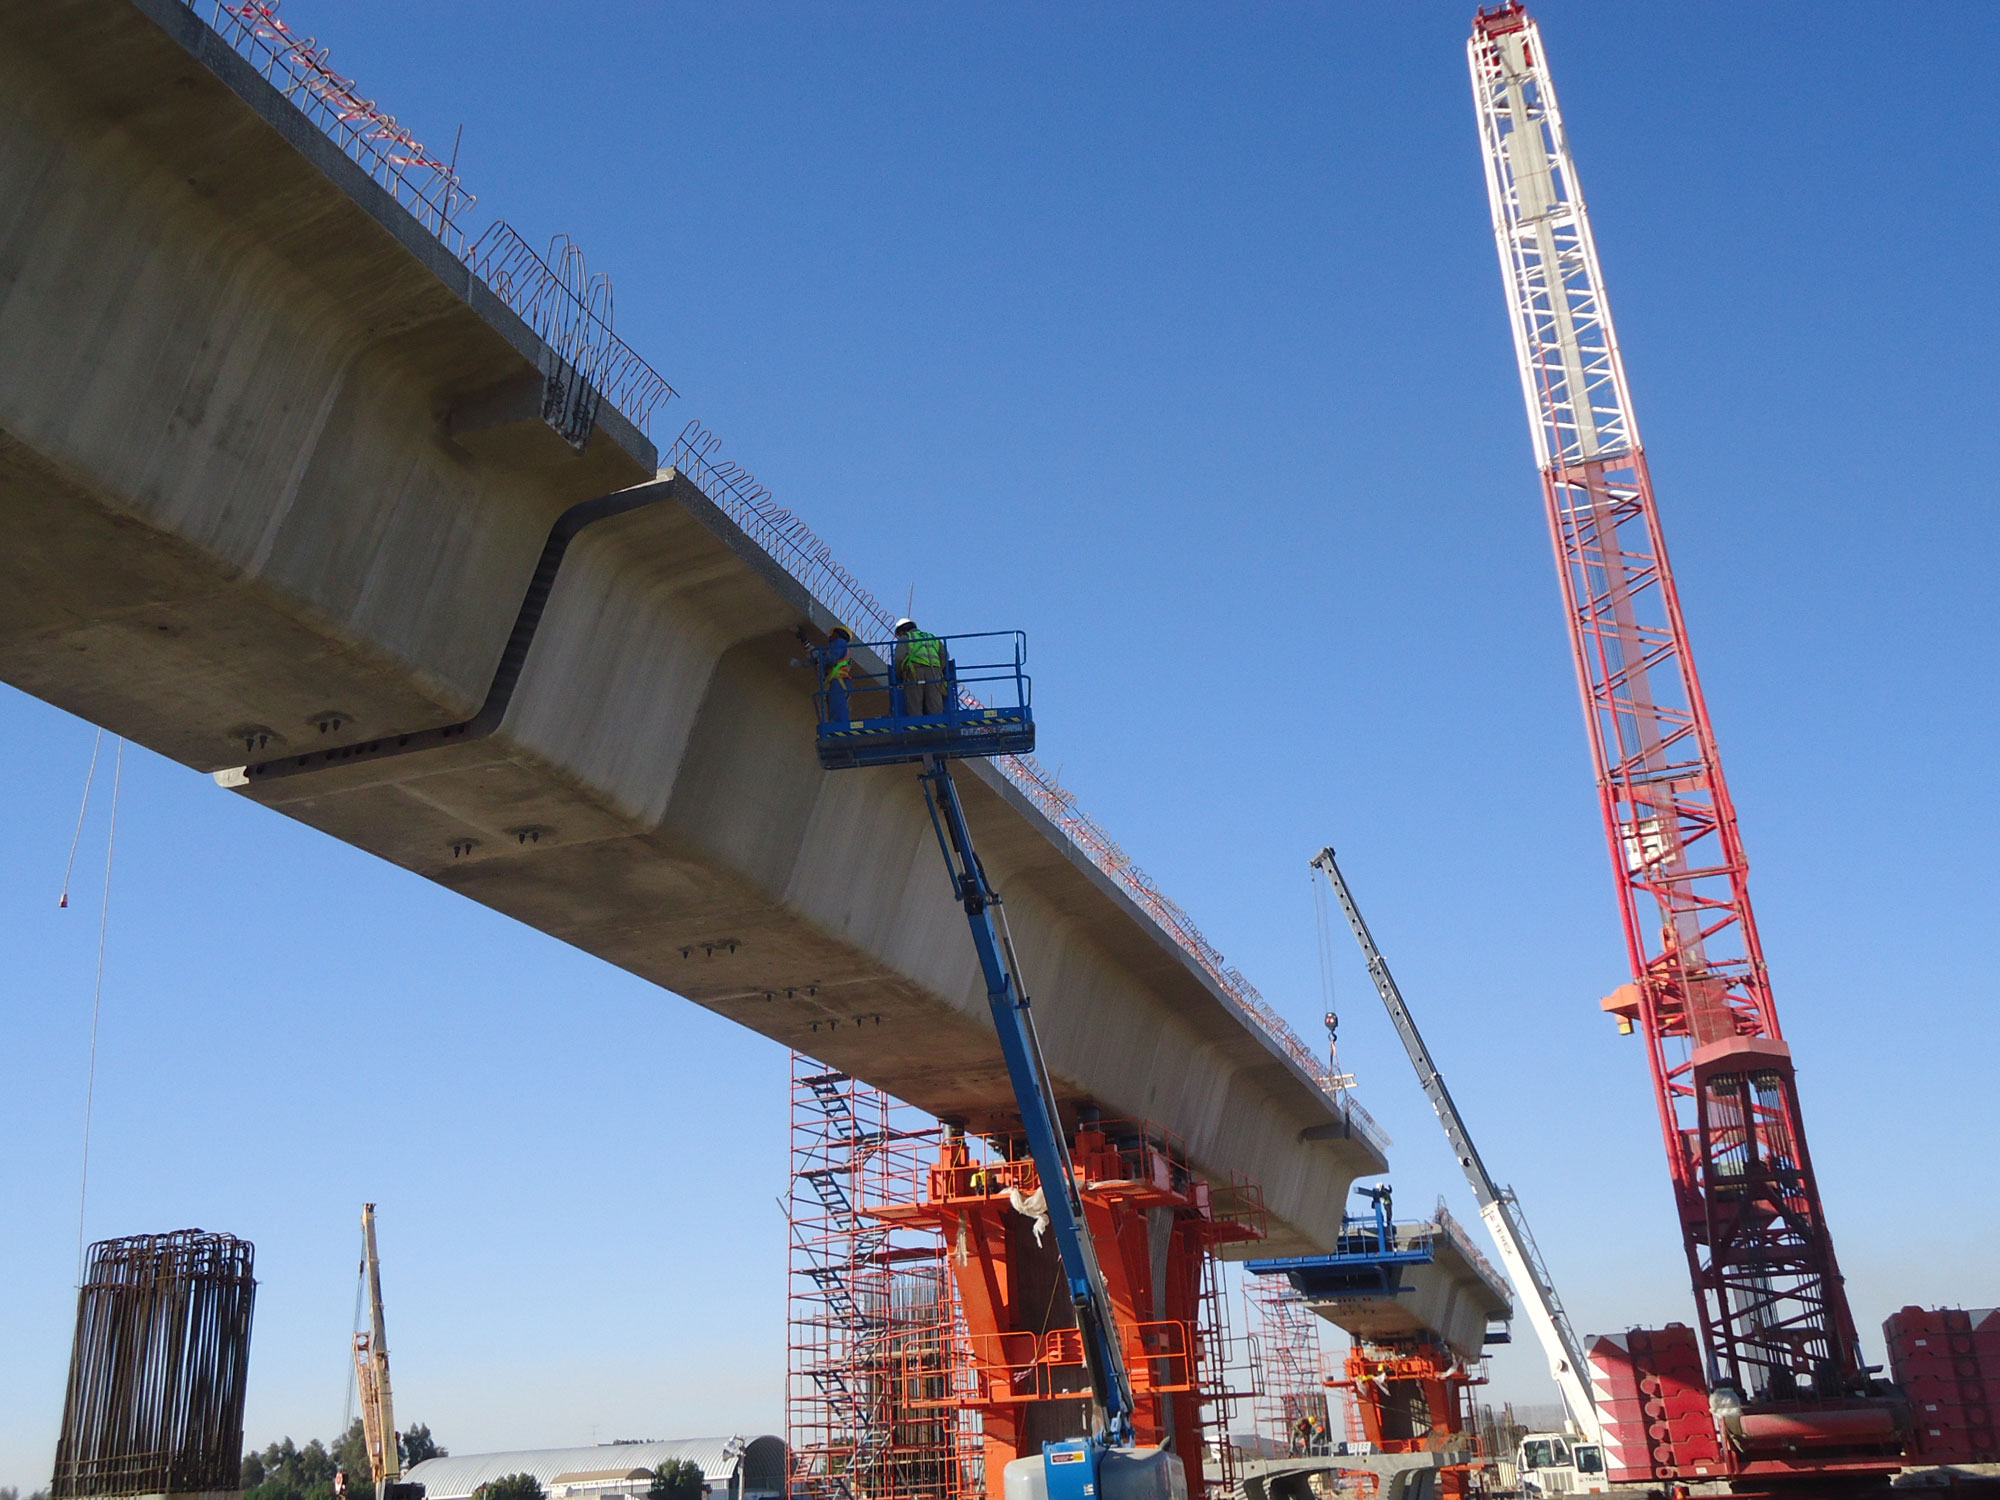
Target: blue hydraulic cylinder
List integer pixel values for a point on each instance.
(1013, 1019)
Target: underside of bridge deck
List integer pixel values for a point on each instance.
(270, 488)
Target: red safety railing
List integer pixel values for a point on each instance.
(1010, 1369)
(567, 308)
(415, 176)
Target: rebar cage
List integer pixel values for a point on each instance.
(157, 1373)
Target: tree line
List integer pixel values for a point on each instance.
(286, 1471)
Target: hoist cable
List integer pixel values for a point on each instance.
(77, 838)
(347, 1409)
(97, 1005)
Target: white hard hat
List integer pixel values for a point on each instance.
(906, 623)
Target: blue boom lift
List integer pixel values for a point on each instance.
(869, 718)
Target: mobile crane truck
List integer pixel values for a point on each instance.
(1548, 1463)
(1107, 1463)
(371, 1374)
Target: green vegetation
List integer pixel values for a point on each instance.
(418, 1445)
(677, 1479)
(285, 1471)
(510, 1487)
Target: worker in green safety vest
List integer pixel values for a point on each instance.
(920, 665)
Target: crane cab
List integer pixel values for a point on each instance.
(1555, 1463)
(1086, 1469)
(966, 695)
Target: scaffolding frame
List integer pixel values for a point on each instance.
(874, 1327)
(1290, 1381)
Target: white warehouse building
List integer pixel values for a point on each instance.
(734, 1468)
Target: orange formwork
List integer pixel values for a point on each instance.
(1156, 1229)
(1415, 1396)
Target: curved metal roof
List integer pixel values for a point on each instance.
(761, 1459)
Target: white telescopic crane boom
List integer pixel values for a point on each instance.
(371, 1371)
(1497, 1205)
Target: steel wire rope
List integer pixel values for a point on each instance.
(97, 1006)
(353, 1327)
(90, 777)
(1323, 929)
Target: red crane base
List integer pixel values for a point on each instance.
(1659, 1425)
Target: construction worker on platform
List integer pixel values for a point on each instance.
(920, 664)
(837, 672)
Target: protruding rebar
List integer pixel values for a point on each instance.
(157, 1373)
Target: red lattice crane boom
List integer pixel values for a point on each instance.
(1774, 1318)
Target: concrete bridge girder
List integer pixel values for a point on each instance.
(272, 477)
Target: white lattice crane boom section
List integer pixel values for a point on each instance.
(1572, 376)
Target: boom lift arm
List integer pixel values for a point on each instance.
(1107, 1464)
(1497, 1205)
(1014, 1020)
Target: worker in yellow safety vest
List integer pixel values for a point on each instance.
(837, 672)
(920, 665)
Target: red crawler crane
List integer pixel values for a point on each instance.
(1787, 1386)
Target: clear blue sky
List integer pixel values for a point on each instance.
(1173, 335)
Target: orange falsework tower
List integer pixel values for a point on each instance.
(1415, 1396)
(1156, 1229)
(956, 1349)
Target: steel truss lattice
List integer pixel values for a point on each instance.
(1774, 1318)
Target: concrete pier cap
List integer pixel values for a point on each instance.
(277, 487)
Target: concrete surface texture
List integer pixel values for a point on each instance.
(273, 482)
(1398, 1476)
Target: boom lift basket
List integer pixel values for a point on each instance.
(872, 716)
